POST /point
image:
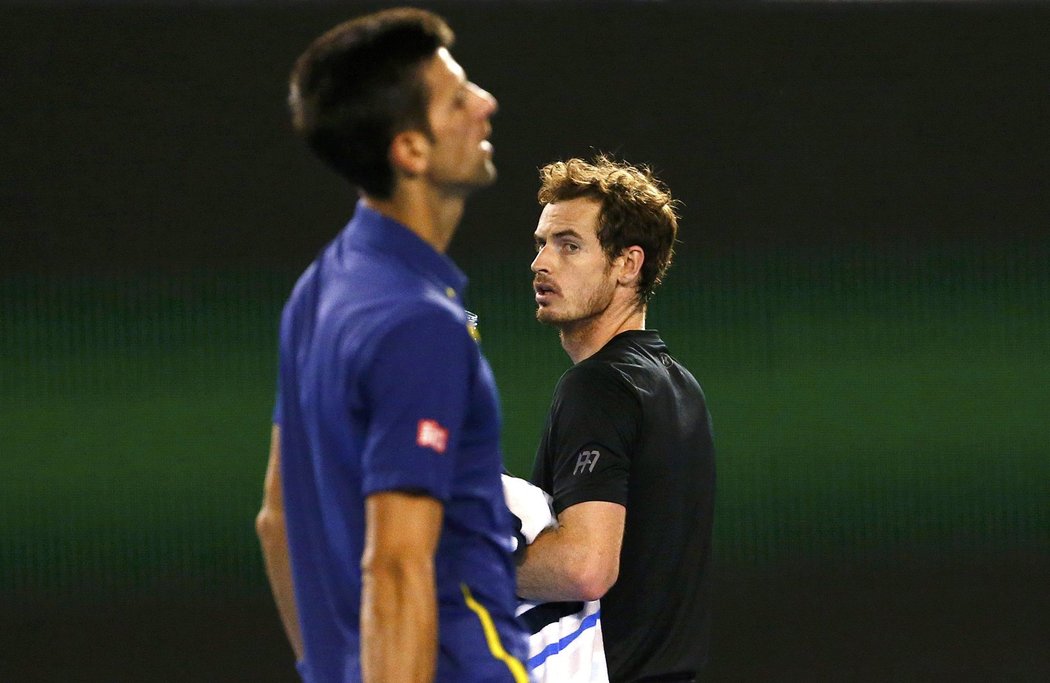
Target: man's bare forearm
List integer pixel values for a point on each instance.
(399, 629)
(399, 624)
(279, 572)
(273, 537)
(578, 560)
(545, 574)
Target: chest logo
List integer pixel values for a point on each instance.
(586, 461)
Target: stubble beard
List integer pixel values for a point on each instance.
(592, 309)
(483, 175)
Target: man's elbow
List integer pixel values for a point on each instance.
(269, 526)
(594, 579)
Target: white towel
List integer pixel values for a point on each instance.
(565, 641)
(531, 505)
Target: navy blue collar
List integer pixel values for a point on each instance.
(372, 231)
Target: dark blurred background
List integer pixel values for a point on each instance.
(862, 287)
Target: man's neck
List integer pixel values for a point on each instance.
(583, 339)
(431, 216)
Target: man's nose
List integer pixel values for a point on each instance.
(489, 104)
(537, 263)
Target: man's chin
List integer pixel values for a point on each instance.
(545, 316)
(483, 178)
(488, 174)
(484, 173)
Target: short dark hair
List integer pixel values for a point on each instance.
(636, 209)
(359, 84)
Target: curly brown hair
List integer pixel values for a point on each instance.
(636, 209)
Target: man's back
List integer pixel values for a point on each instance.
(383, 389)
(630, 425)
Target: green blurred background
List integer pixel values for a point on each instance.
(862, 287)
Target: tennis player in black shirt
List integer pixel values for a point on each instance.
(627, 452)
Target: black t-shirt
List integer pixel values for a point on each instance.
(630, 425)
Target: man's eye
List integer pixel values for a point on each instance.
(571, 248)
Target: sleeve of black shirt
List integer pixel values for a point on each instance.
(594, 422)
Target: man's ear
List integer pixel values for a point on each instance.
(410, 152)
(631, 260)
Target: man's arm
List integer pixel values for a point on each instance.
(399, 591)
(273, 536)
(579, 560)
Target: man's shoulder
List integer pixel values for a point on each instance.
(614, 363)
(635, 366)
(593, 377)
(593, 369)
(367, 279)
(418, 316)
(351, 305)
(369, 274)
